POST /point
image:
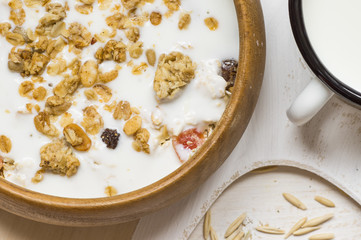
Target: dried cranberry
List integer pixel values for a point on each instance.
(229, 71)
(110, 138)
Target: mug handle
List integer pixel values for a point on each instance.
(309, 102)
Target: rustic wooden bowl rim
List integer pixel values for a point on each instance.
(101, 211)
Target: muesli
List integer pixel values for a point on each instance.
(102, 97)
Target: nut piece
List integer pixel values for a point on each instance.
(132, 125)
(56, 105)
(151, 57)
(211, 23)
(174, 71)
(141, 139)
(89, 73)
(155, 18)
(184, 21)
(92, 121)
(229, 71)
(5, 144)
(42, 124)
(59, 158)
(110, 138)
(122, 111)
(77, 138)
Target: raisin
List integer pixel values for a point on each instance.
(110, 138)
(229, 71)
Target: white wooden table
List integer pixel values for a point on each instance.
(328, 146)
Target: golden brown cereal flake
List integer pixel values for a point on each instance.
(211, 23)
(55, 13)
(136, 50)
(108, 76)
(172, 5)
(84, 8)
(42, 124)
(91, 95)
(92, 121)
(117, 21)
(155, 18)
(57, 67)
(57, 29)
(141, 139)
(184, 21)
(17, 16)
(132, 125)
(79, 35)
(59, 158)
(113, 50)
(151, 57)
(56, 105)
(26, 88)
(15, 39)
(110, 191)
(15, 4)
(39, 176)
(122, 111)
(23, 33)
(39, 94)
(174, 71)
(89, 73)
(129, 4)
(5, 144)
(110, 107)
(132, 34)
(103, 91)
(139, 69)
(66, 119)
(67, 86)
(104, 4)
(77, 138)
(34, 3)
(4, 28)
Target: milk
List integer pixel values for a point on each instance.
(334, 30)
(123, 168)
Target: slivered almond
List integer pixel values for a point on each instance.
(324, 201)
(294, 201)
(322, 236)
(239, 236)
(207, 225)
(235, 224)
(318, 220)
(270, 230)
(304, 231)
(297, 226)
(213, 234)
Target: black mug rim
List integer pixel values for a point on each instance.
(310, 56)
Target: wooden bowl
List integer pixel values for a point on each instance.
(130, 206)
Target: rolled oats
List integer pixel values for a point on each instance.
(79, 35)
(15, 39)
(26, 88)
(211, 23)
(103, 91)
(136, 50)
(139, 69)
(122, 111)
(141, 139)
(155, 18)
(110, 191)
(91, 95)
(108, 76)
(172, 5)
(66, 119)
(56, 105)
(42, 124)
(5, 144)
(17, 16)
(132, 34)
(184, 21)
(4, 28)
(92, 121)
(113, 50)
(67, 86)
(39, 93)
(57, 67)
(117, 21)
(132, 125)
(129, 4)
(84, 8)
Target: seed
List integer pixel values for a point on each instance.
(214, 235)
(324, 201)
(304, 231)
(207, 225)
(294, 201)
(235, 224)
(297, 226)
(235, 234)
(318, 220)
(270, 230)
(322, 236)
(239, 236)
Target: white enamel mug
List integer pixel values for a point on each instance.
(320, 90)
